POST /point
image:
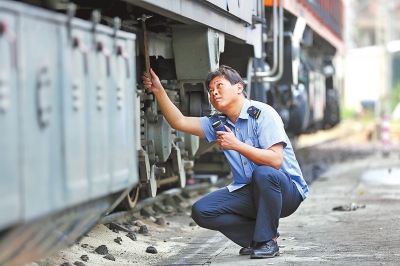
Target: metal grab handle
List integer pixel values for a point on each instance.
(125, 56)
(78, 44)
(43, 105)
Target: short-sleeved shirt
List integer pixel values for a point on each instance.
(262, 132)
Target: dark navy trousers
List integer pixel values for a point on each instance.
(251, 212)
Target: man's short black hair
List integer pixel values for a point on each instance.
(226, 71)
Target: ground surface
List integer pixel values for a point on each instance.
(341, 172)
(167, 236)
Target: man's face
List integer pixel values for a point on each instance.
(222, 92)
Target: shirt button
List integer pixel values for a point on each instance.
(244, 163)
(249, 178)
(237, 130)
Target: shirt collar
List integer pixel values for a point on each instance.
(243, 112)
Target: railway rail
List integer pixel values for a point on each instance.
(171, 198)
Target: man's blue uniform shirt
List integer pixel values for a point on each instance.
(263, 132)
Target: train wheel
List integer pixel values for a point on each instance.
(130, 201)
(152, 184)
(331, 112)
(300, 113)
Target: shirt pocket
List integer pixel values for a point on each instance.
(252, 142)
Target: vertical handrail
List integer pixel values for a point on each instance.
(275, 41)
(280, 70)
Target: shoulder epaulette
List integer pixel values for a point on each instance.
(254, 111)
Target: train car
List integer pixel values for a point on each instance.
(312, 40)
(68, 149)
(79, 134)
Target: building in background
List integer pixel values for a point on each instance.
(372, 60)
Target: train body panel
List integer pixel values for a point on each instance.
(82, 135)
(41, 172)
(231, 17)
(68, 136)
(9, 145)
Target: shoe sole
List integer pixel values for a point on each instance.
(251, 251)
(264, 256)
(245, 253)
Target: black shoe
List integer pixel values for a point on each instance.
(249, 250)
(269, 249)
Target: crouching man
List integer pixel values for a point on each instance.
(268, 183)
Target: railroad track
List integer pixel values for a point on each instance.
(171, 198)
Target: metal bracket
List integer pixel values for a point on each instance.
(96, 17)
(117, 26)
(71, 11)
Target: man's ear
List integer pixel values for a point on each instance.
(240, 87)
